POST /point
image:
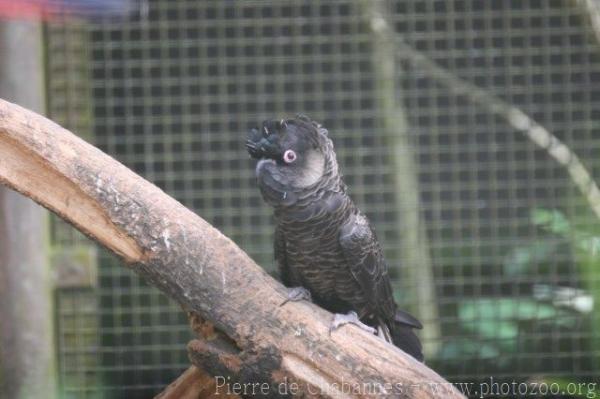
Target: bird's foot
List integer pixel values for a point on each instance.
(384, 334)
(352, 318)
(296, 294)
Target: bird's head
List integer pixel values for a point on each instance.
(294, 150)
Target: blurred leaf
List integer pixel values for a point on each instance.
(551, 220)
(463, 348)
(589, 244)
(505, 308)
(499, 319)
(521, 259)
(576, 299)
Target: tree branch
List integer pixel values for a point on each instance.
(203, 270)
(417, 265)
(516, 118)
(591, 9)
(194, 383)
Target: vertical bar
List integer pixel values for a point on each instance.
(27, 355)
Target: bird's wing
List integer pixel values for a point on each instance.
(288, 277)
(364, 257)
(367, 265)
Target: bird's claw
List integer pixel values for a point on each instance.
(349, 318)
(297, 294)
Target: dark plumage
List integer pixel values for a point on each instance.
(322, 241)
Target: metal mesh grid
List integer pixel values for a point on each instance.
(174, 91)
(68, 95)
(77, 342)
(482, 179)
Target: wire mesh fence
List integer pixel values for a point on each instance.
(512, 242)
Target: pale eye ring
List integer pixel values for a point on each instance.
(289, 156)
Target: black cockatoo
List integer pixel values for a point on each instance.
(324, 246)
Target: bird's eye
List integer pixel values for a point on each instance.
(289, 156)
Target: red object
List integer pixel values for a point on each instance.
(21, 9)
(52, 9)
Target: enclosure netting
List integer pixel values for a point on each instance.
(171, 91)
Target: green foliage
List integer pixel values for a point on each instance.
(499, 318)
(500, 325)
(551, 220)
(521, 259)
(584, 241)
(495, 324)
(464, 348)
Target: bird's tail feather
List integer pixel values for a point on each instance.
(405, 338)
(401, 336)
(407, 319)
(400, 330)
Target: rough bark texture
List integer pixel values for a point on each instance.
(26, 331)
(203, 270)
(194, 383)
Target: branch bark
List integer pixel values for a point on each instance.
(204, 271)
(194, 383)
(591, 9)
